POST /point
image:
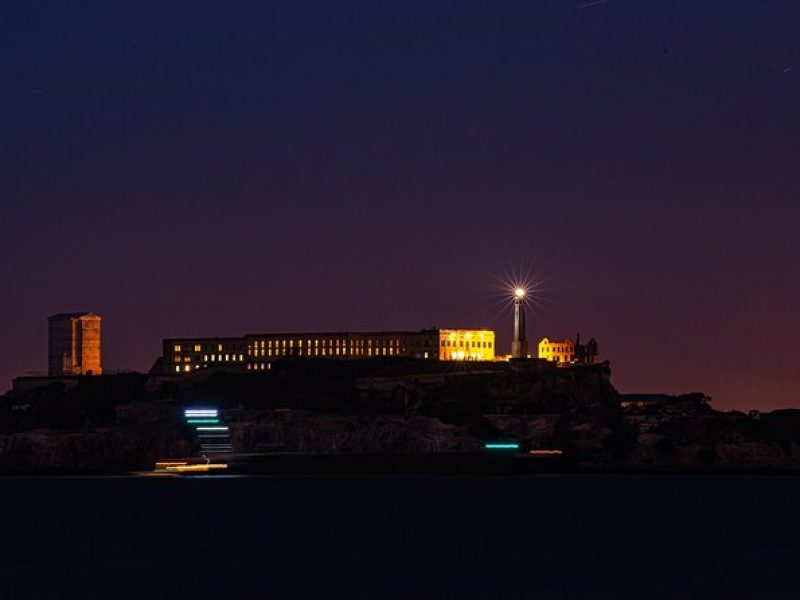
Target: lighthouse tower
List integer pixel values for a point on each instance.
(519, 343)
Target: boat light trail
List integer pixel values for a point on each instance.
(201, 412)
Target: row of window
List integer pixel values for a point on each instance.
(469, 344)
(329, 342)
(214, 358)
(461, 355)
(289, 352)
(326, 351)
(208, 347)
(259, 367)
(546, 349)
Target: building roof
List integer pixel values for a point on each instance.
(75, 315)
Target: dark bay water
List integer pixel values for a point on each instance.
(524, 537)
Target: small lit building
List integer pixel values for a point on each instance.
(255, 352)
(557, 351)
(568, 352)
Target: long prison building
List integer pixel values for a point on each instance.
(254, 352)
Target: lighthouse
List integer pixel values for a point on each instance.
(519, 343)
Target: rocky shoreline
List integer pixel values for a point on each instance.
(121, 423)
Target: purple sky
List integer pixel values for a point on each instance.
(207, 168)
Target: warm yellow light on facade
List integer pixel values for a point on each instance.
(466, 344)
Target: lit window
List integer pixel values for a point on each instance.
(177, 369)
(219, 348)
(241, 357)
(177, 348)
(177, 359)
(197, 348)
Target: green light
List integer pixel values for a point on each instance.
(202, 420)
(511, 446)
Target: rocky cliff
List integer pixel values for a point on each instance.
(124, 423)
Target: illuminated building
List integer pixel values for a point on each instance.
(555, 351)
(567, 351)
(255, 352)
(74, 344)
(466, 344)
(519, 343)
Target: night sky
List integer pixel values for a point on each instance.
(217, 168)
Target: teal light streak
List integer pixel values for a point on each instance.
(202, 420)
(501, 446)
